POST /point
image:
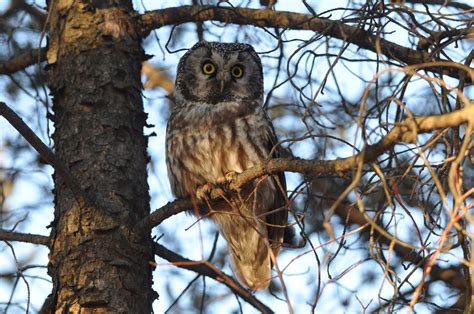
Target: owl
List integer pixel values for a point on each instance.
(218, 128)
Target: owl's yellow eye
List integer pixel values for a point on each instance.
(208, 68)
(237, 71)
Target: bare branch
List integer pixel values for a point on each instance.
(207, 269)
(42, 150)
(403, 132)
(22, 61)
(451, 275)
(289, 20)
(454, 4)
(23, 237)
(163, 213)
(27, 133)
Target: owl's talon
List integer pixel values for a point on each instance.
(208, 191)
(230, 176)
(217, 192)
(227, 178)
(203, 191)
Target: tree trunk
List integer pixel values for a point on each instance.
(97, 264)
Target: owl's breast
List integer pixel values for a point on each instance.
(203, 153)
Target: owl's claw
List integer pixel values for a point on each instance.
(203, 191)
(228, 179)
(230, 176)
(208, 191)
(213, 191)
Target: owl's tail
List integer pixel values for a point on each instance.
(249, 248)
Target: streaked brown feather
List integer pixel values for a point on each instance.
(211, 133)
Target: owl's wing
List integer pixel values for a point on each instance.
(277, 221)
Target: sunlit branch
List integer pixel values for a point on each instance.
(289, 20)
(405, 131)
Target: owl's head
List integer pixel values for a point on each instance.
(212, 72)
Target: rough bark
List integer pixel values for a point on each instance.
(97, 263)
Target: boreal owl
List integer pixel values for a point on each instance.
(217, 128)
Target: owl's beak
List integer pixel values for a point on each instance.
(222, 77)
(222, 83)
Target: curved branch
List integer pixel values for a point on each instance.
(23, 237)
(406, 131)
(403, 132)
(209, 270)
(289, 20)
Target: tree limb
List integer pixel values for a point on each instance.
(23, 61)
(207, 269)
(161, 214)
(23, 237)
(403, 132)
(289, 20)
(406, 131)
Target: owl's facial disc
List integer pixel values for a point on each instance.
(214, 72)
